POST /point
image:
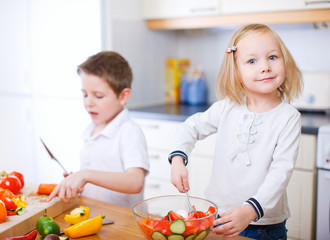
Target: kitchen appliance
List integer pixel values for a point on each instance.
(323, 184)
(316, 92)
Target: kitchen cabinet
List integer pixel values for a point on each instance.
(159, 134)
(162, 15)
(302, 191)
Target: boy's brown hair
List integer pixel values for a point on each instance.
(229, 82)
(111, 67)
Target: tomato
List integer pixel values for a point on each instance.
(19, 176)
(211, 210)
(146, 229)
(174, 216)
(6, 193)
(9, 204)
(10, 182)
(3, 211)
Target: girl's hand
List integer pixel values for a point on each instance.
(234, 221)
(70, 186)
(179, 174)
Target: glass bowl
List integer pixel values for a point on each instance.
(167, 217)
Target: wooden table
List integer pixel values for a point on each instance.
(124, 226)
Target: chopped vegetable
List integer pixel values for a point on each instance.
(77, 215)
(201, 235)
(178, 226)
(156, 235)
(84, 228)
(173, 226)
(46, 188)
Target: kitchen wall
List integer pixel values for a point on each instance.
(147, 50)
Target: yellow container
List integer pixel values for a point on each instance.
(175, 70)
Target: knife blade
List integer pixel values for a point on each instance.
(104, 222)
(52, 156)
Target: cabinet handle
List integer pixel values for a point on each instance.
(315, 2)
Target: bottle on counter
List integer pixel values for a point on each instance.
(194, 89)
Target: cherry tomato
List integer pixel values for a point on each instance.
(10, 182)
(20, 177)
(3, 211)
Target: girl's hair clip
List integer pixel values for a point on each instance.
(232, 49)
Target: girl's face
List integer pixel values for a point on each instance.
(260, 64)
(100, 101)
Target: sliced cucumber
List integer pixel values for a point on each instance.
(178, 226)
(201, 235)
(175, 237)
(156, 235)
(190, 237)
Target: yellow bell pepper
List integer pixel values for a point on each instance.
(85, 228)
(77, 215)
(20, 201)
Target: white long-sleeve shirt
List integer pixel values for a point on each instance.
(254, 156)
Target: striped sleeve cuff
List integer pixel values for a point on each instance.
(178, 153)
(257, 208)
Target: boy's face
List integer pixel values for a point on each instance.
(260, 64)
(100, 101)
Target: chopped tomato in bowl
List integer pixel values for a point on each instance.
(166, 217)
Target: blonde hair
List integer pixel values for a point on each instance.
(229, 82)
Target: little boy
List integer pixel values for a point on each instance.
(114, 160)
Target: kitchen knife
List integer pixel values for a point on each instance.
(52, 156)
(104, 222)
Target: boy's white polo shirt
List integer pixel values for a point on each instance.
(119, 146)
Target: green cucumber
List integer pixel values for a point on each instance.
(201, 235)
(156, 235)
(175, 237)
(190, 237)
(178, 226)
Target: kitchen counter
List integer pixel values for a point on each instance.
(124, 226)
(170, 112)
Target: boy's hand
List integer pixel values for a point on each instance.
(179, 174)
(69, 187)
(234, 221)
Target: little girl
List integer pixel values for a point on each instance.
(257, 139)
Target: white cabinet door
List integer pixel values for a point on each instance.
(17, 136)
(301, 196)
(307, 153)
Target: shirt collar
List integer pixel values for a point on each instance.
(111, 128)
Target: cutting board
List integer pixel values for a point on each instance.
(37, 206)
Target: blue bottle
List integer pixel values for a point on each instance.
(197, 93)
